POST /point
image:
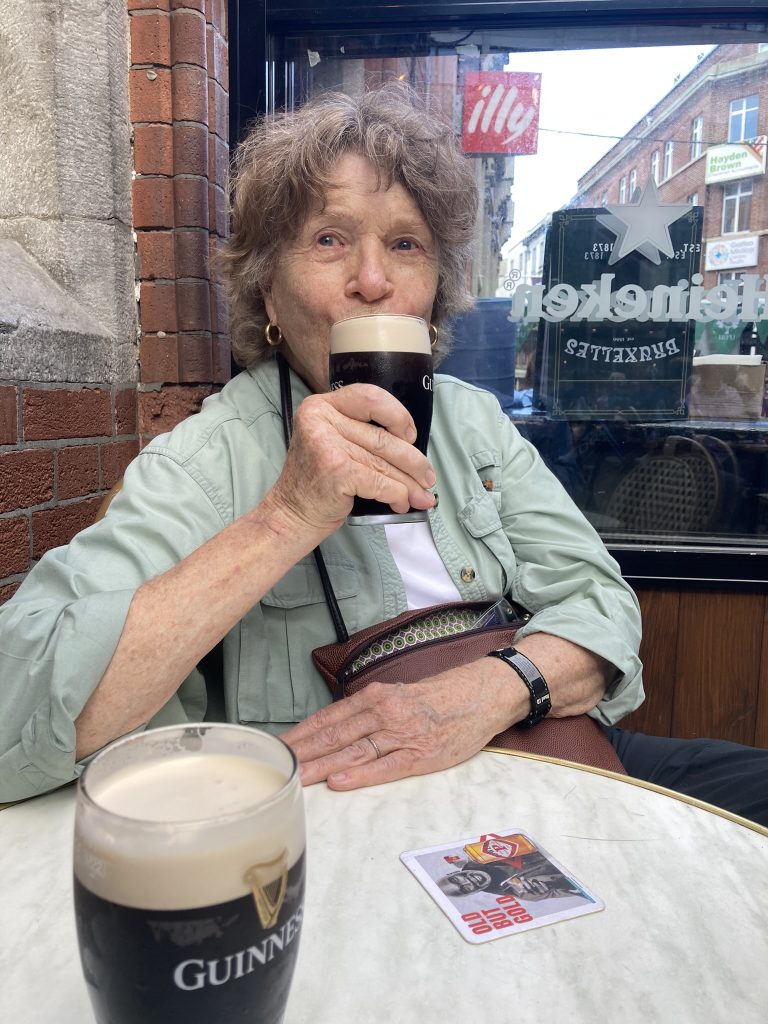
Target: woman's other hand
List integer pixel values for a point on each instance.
(357, 440)
(389, 731)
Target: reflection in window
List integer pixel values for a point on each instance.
(668, 148)
(737, 206)
(730, 277)
(697, 135)
(655, 166)
(632, 184)
(742, 122)
(693, 199)
(623, 190)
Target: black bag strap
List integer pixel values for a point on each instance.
(286, 410)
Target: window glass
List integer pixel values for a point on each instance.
(737, 207)
(742, 123)
(697, 134)
(620, 274)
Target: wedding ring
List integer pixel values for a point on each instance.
(375, 746)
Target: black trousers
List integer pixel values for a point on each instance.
(725, 774)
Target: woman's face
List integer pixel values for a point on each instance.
(369, 250)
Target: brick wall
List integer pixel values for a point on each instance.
(179, 111)
(63, 445)
(728, 73)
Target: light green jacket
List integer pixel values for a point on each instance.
(502, 515)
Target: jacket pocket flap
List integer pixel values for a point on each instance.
(479, 517)
(301, 585)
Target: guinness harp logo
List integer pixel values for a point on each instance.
(269, 895)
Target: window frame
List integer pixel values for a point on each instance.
(697, 136)
(739, 191)
(742, 114)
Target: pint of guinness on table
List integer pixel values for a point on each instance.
(393, 352)
(189, 876)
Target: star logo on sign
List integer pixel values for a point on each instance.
(643, 226)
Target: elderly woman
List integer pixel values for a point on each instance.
(346, 207)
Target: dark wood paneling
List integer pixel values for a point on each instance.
(719, 647)
(658, 652)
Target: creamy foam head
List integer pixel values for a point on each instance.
(382, 332)
(184, 831)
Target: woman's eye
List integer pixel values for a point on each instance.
(327, 240)
(405, 245)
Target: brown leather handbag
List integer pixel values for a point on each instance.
(426, 641)
(348, 666)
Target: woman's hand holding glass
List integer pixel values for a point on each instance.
(357, 440)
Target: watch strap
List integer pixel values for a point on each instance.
(536, 684)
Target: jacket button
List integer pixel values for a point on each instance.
(467, 574)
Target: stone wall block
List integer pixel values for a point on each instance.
(26, 478)
(221, 60)
(192, 253)
(218, 15)
(156, 254)
(191, 202)
(153, 203)
(125, 411)
(149, 5)
(193, 304)
(222, 358)
(153, 149)
(195, 362)
(77, 470)
(190, 149)
(218, 161)
(56, 526)
(14, 545)
(218, 211)
(8, 414)
(190, 95)
(192, 5)
(159, 359)
(51, 413)
(158, 306)
(162, 410)
(151, 39)
(150, 95)
(188, 37)
(114, 460)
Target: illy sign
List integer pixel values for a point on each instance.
(501, 112)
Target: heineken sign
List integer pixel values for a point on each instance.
(617, 307)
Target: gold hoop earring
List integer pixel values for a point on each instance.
(268, 336)
(432, 335)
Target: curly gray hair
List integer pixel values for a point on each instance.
(281, 172)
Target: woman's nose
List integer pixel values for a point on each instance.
(370, 279)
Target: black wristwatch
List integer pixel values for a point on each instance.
(541, 703)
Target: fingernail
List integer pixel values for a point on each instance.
(338, 777)
(430, 477)
(412, 434)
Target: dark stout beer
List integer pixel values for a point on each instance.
(394, 353)
(189, 879)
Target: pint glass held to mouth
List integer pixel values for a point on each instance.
(393, 352)
(189, 876)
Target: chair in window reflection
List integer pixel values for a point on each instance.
(678, 488)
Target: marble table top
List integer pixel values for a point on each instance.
(684, 936)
